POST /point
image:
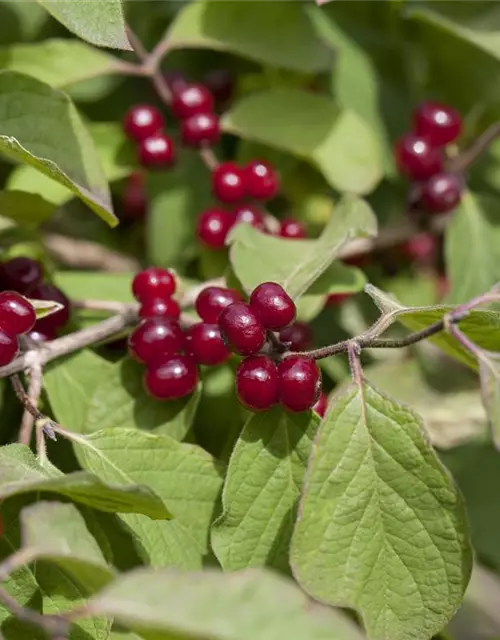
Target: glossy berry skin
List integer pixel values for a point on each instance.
(155, 337)
(200, 130)
(228, 182)
(51, 324)
(293, 229)
(20, 274)
(273, 306)
(159, 307)
(191, 99)
(250, 215)
(212, 300)
(204, 343)
(261, 180)
(442, 193)
(153, 282)
(17, 315)
(257, 383)
(417, 157)
(156, 152)
(298, 335)
(321, 405)
(241, 329)
(213, 226)
(299, 380)
(440, 123)
(171, 377)
(134, 198)
(142, 121)
(421, 248)
(8, 347)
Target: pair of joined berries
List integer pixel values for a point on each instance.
(420, 157)
(193, 105)
(261, 383)
(17, 317)
(25, 276)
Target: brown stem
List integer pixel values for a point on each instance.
(28, 419)
(463, 161)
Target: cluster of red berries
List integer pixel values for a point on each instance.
(420, 156)
(228, 324)
(17, 317)
(25, 276)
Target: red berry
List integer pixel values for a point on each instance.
(8, 347)
(156, 152)
(134, 198)
(294, 229)
(171, 377)
(17, 315)
(51, 324)
(321, 405)
(334, 299)
(213, 227)
(273, 306)
(440, 123)
(421, 248)
(153, 282)
(204, 343)
(142, 121)
(250, 215)
(299, 380)
(212, 300)
(257, 383)
(228, 182)
(200, 130)
(191, 99)
(442, 192)
(220, 83)
(159, 307)
(19, 274)
(417, 157)
(155, 337)
(261, 180)
(298, 335)
(241, 329)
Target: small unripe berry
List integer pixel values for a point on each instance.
(299, 380)
(212, 300)
(257, 383)
(155, 337)
(241, 329)
(273, 306)
(17, 315)
(156, 152)
(153, 282)
(171, 377)
(142, 121)
(204, 343)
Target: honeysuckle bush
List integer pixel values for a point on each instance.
(123, 517)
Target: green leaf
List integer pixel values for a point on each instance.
(297, 264)
(249, 30)
(183, 475)
(482, 327)
(489, 372)
(100, 23)
(381, 527)
(41, 127)
(70, 384)
(27, 209)
(261, 490)
(57, 533)
(45, 308)
(119, 400)
(22, 473)
(338, 142)
(58, 62)
(210, 604)
(96, 285)
(473, 248)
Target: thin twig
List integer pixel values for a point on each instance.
(460, 163)
(28, 419)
